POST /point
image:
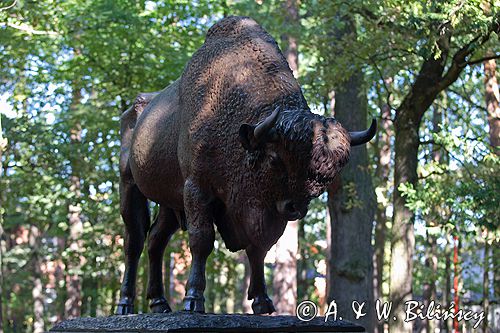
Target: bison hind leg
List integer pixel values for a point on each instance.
(135, 213)
(163, 228)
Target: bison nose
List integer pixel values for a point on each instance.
(291, 210)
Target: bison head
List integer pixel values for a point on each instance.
(297, 154)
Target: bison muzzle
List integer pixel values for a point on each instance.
(231, 143)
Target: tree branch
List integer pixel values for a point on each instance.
(28, 29)
(9, 6)
(389, 93)
(467, 99)
(430, 174)
(459, 62)
(480, 60)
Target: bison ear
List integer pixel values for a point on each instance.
(253, 136)
(247, 137)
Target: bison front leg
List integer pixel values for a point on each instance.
(257, 290)
(199, 217)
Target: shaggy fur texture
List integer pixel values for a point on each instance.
(326, 160)
(185, 150)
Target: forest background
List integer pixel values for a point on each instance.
(414, 215)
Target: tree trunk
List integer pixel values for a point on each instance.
(382, 175)
(403, 238)
(167, 272)
(351, 202)
(72, 306)
(37, 290)
(181, 262)
(456, 278)
(447, 286)
(285, 274)
(37, 293)
(486, 282)
(94, 293)
(422, 94)
(429, 82)
(492, 97)
(246, 304)
(210, 293)
(429, 288)
(143, 283)
(492, 104)
(302, 264)
(3, 145)
(1, 265)
(496, 268)
(60, 275)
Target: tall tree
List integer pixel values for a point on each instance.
(351, 202)
(492, 98)
(486, 281)
(429, 288)
(436, 74)
(285, 274)
(447, 283)
(382, 173)
(37, 290)
(3, 144)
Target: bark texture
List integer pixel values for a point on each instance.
(3, 145)
(430, 283)
(486, 283)
(447, 287)
(383, 151)
(351, 202)
(492, 97)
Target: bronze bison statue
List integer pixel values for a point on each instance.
(231, 143)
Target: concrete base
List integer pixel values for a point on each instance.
(194, 322)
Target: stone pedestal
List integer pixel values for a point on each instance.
(193, 322)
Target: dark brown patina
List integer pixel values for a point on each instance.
(232, 143)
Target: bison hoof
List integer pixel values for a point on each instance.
(125, 306)
(263, 305)
(194, 302)
(159, 305)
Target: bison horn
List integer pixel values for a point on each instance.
(358, 138)
(262, 130)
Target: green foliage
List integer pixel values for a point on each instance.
(463, 195)
(108, 51)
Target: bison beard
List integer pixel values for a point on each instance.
(232, 143)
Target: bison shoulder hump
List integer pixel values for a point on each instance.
(233, 26)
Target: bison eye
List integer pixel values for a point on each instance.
(274, 160)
